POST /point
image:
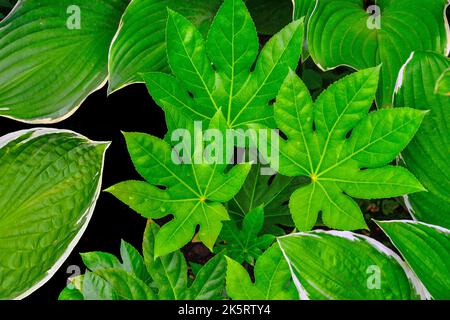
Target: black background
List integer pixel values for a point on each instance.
(102, 118)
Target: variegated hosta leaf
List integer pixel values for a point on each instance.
(342, 32)
(427, 156)
(194, 192)
(53, 54)
(140, 42)
(343, 149)
(272, 278)
(340, 265)
(216, 74)
(49, 183)
(426, 249)
(443, 84)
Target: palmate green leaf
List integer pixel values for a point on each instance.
(216, 74)
(48, 65)
(341, 32)
(272, 278)
(49, 183)
(339, 167)
(270, 193)
(165, 277)
(426, 249)
(140, 43)
(246, 244)
(193, 193)
(340, 265)
(427, 154)
(443, 84)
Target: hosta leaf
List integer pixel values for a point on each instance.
(49, 183)
(140, 46)
(246, 244)
(303, 9)
(339, 167)
(443, 84)
(427, 154)
(53, 54)
(193, 193)
(216, 74)
(341, 32)
(345, 266)
(272, 278)
(270, 193)
(426, 249)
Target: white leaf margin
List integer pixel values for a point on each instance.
(354, 237)
(85, 217)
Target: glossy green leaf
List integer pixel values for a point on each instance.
(272, 278)
(192, 192)
(247, 243)
(340, 265)
(53, 54)
(216, 74)
(49, 183)
(427, 154)
(140, 43)
(426, 249)
(270, 193)
(343, 149)
(443, 84)
(342, 32)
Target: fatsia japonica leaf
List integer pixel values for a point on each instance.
(193, 192)
(165, 278)
(342, 32)
(246, 243)
(340, 265)
(341, 167)
(271, 193)
(426, 249)
(272, 278)
(140, 43)
(443, 84)
(427, 154)
(53, 54)
(216, 74)
(49, 183)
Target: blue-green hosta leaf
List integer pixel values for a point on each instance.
(426, 249)
(53, 54)
(272, 278)
(339, 167)
(246, 244)
(341, 32)
(216, 74)
(192, 193)
(341, 265)
(427, 154)
(140, 43)
(443, 84)
(49, 183)
(270, 193)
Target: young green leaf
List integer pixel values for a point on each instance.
(343, 32)
(443, 84)
(427, 154)
(270, 193)
(339, 167)
(140, 43)
(340, 265)
(53, 54)
(426, 249)
(272, 278)
(246, 244)
(216, 75)
(49, 184)
(192, 192)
